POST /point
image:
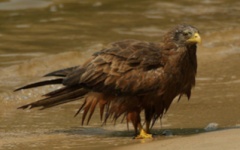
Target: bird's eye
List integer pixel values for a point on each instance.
(187, 33)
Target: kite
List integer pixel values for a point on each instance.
(129, 77)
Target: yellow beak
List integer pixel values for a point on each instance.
(195, 39)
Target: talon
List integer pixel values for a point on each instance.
(143, 135)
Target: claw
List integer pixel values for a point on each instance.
(143, 135)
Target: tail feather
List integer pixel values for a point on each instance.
(61, 102)
(41, 83)
(57, 100)
(58, 73)
(61, 91)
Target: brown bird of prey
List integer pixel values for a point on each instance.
(128, 77)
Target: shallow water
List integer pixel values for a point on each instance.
(39, 37)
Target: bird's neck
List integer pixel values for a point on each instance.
(189, 61)
(192, 55)
(183, 61)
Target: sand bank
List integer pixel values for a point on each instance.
(218, 140)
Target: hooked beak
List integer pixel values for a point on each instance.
(195, 39)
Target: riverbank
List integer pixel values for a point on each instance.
(217, 140)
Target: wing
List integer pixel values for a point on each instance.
(62, 72)
(59, 73)
(125, 67)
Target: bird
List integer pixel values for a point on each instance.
(128, 77)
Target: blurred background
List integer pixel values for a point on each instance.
(40, 36)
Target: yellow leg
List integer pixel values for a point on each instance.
(143, 134)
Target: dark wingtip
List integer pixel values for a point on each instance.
(62, 72)
(49, 74)
(17, 89)
(41, 83)
(25, 107)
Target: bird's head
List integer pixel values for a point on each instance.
(185, 35)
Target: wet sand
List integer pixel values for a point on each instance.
(227, 139)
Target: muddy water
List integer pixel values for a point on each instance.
(39, 37)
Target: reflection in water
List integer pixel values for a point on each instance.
(32, 31)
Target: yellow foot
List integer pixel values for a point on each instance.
(143, 135)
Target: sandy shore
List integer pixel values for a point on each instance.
(218, 140)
